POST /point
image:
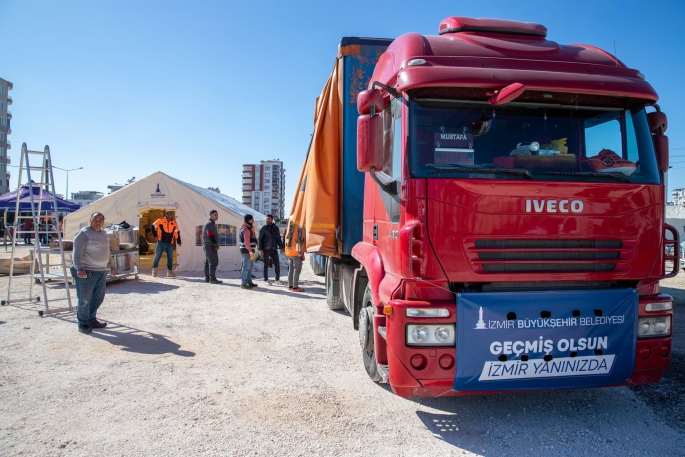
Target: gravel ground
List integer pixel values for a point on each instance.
(185, 368)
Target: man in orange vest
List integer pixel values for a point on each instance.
(166, 230)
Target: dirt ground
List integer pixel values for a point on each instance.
(187, 368)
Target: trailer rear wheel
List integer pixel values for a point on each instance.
(333, 300)
(316, 268)
(366, 336)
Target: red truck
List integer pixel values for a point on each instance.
(509, 233)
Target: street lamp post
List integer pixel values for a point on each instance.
(66, 197)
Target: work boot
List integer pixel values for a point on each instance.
(85, 329)
(215, 281)
(154, 272)
(97, 324)
(170, 274)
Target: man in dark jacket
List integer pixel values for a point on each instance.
(269, 241)
(210, 244)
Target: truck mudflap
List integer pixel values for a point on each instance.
(545, 340)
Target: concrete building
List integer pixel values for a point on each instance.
(5, 130)
(678, 197)
(85, 197)
(264, 187)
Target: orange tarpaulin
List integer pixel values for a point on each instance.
(316, 207)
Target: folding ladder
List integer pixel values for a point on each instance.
(39, 214)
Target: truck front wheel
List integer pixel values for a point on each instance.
(366, 336)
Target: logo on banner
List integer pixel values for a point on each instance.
(480, 325)
(157, 193)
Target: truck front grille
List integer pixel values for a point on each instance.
(491, 255)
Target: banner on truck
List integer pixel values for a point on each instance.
(545, 340)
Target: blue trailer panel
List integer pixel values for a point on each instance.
(359, 59)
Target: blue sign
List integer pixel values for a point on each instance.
(545, 340)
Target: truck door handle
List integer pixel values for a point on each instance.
(375, 231)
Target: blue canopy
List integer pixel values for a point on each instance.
(9, 201)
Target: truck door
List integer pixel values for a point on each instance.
(387, 206)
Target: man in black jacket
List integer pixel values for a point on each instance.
(210, 244)
(269, 241)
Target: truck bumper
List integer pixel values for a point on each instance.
(652, 359)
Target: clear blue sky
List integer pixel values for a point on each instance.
(196, 88)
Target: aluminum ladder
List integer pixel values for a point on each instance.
(38, 214)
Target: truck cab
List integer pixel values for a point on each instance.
(513, 233)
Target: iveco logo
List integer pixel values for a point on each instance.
(554, 206)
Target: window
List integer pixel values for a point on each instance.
(600, 141)
(2, 90)
(227, 235)
(2, 105)
(267, 175)
(2, 136)
(2, 121)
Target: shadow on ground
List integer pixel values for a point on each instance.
(132, 339)
(141, 287)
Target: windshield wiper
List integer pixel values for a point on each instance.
(468, 169)
(618, 175)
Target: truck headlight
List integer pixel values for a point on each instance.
(430, 335)
(419, 334)
(443, 334)
(654, 326)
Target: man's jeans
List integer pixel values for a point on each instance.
(246, 272)
(91, 293)
(294, 269)
(169, 249)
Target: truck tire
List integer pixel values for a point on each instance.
(366, 336)
(334, 301)
(316, 268)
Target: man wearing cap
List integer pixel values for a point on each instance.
(210, 243)
(166, 230)
(248, 244)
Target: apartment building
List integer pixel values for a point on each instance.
(5, 130)
(264, 187)
(678, 197)
(86, 197)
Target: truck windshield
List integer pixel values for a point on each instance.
(471, 139)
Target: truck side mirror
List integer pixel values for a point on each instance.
(661, 149)
(369, 100)
(369, 143)
(658, 123)
(370, 130)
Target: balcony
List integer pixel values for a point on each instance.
(9, 145)
(9, 114)
(9, 100)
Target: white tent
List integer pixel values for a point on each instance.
(191, 205)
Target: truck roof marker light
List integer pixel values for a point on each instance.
(387, 310)
(640, 75)
(416, 62)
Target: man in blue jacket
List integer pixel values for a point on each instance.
(269, 241)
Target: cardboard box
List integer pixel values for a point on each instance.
(67, 244)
